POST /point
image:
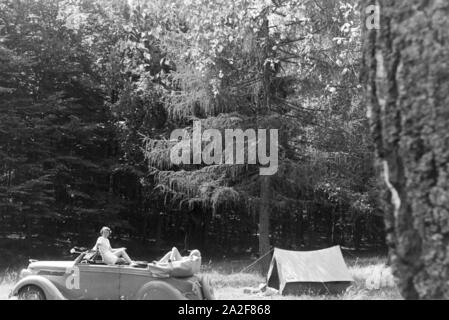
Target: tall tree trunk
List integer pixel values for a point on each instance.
(159, 224)
(299, 228)
(265, 188)
(264, 221)
(406, 65)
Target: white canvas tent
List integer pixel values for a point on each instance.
(299, 272)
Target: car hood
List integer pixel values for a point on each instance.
(54, 265)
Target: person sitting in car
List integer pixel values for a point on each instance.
(110, 256)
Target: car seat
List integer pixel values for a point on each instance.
(94, 257)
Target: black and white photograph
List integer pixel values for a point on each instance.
(251, 152)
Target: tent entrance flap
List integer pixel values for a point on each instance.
(302, 272)
(273, 277)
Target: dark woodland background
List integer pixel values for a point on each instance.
(90, 91)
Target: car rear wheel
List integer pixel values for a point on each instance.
(208, 289)
(158, 290)
(31, 293)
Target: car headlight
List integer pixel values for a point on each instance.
(24, 273)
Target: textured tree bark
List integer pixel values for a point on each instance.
(406, 76)
(266, 193)
(264, 221)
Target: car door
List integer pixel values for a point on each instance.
(99, 282)
(131, 280)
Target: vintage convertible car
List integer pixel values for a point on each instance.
(87, 277)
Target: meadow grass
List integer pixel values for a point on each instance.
(372, 281)
(7, 279)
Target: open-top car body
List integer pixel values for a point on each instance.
(87, 277)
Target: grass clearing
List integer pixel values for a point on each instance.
(7, 280)
(372, 281)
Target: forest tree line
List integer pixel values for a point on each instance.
(91, 89)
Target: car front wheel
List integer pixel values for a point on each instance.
(31, 293)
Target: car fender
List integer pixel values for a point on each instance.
(49, 289)
(159, 290)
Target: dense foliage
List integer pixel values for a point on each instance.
(91, 90)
